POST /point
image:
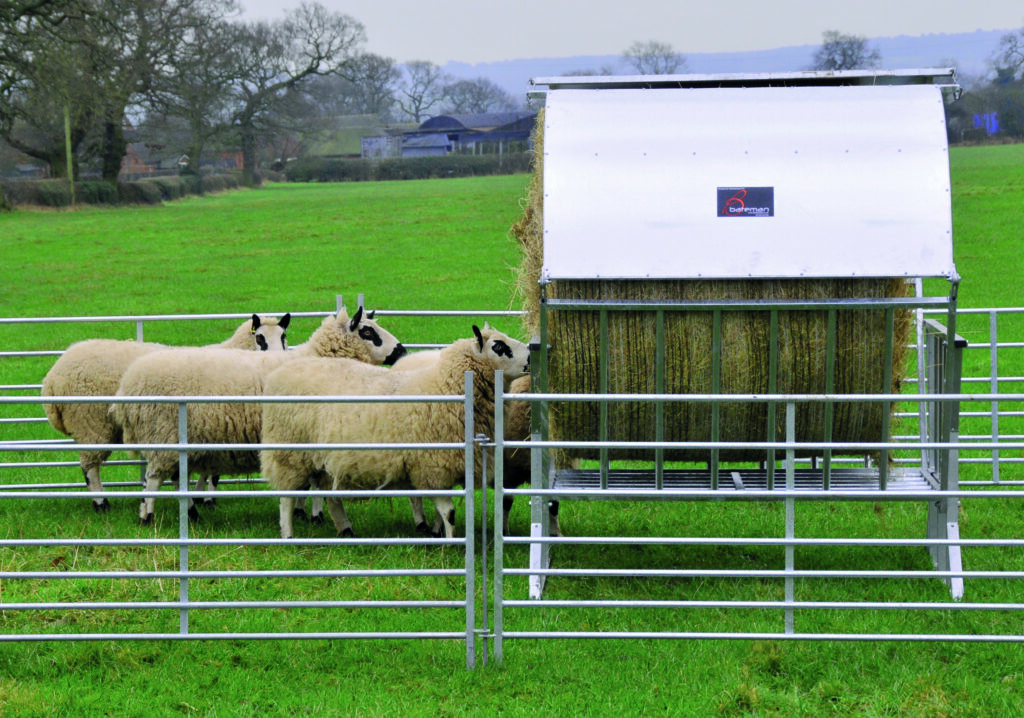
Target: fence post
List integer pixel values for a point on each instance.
(183, 516)
(470, 563)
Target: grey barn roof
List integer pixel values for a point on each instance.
(474, 121)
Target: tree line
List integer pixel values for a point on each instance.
(77, 76)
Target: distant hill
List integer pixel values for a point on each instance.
(968, 51)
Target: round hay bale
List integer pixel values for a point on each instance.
(574, 340)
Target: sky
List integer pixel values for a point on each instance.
(478, 31)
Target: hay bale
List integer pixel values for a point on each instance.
(574, 338)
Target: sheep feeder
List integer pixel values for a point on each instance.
(754, 235)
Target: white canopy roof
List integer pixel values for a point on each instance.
(799, 180)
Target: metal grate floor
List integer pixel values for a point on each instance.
(733, 483)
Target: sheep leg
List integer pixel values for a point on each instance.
(287, 507)
(201, 486)
(341, 522)
(553, 527)
(92, 480)
(148, 504)
(422, 527)
(506, 509)
(445, 508)
(316, 510)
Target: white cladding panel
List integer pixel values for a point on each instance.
(857, 178)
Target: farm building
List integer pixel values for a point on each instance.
(481, 133)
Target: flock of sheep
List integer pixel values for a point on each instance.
(344, 356)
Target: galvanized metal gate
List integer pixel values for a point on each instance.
(693, 178)
(72, 586)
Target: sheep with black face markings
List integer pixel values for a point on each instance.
(225, 372)
(94, 367)
(383, 422)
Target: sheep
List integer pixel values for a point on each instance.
(421, 422)
(94, 367)
(213, 372)
(411, 360)
(517, 461)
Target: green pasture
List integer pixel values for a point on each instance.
(445, 245)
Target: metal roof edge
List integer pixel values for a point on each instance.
(941, 76)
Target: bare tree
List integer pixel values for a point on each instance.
(36, 94)
(370, 90)
(602, 71)
(39, 79)
(374, 79)
(474, 96)
(280, 56)
(422, 89)
(845, 52)
(1009, 54)
(196, 89)
(654, 58)
(136, 40)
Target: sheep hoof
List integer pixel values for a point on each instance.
(300, 514)
(317, 519)
(146, 521)
(101, 507)
(348, 533)
(210, 503)
(424, 529)
(193, 513)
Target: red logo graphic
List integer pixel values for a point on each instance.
(735, 205)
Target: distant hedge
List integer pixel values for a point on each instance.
(319, 169)
(54, 193)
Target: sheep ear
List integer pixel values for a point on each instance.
(284, 321)
(255, 324)
(355, 320)
(479, 336)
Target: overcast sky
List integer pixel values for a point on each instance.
(476, 31)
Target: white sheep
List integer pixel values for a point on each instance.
(517, 465)
(94, 367)
(226, 372)
(410, 360)
(517, 461)
(382, 422)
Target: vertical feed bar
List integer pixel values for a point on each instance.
(883, 454)
(830, 385)
(659, 408)
(716, 387)
(603, 389)
(773, 387)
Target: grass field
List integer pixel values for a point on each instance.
(444, 245)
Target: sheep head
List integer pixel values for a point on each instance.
(502, 352)
(358, 337)
(270, 335)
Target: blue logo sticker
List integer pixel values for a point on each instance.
(746, 201)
